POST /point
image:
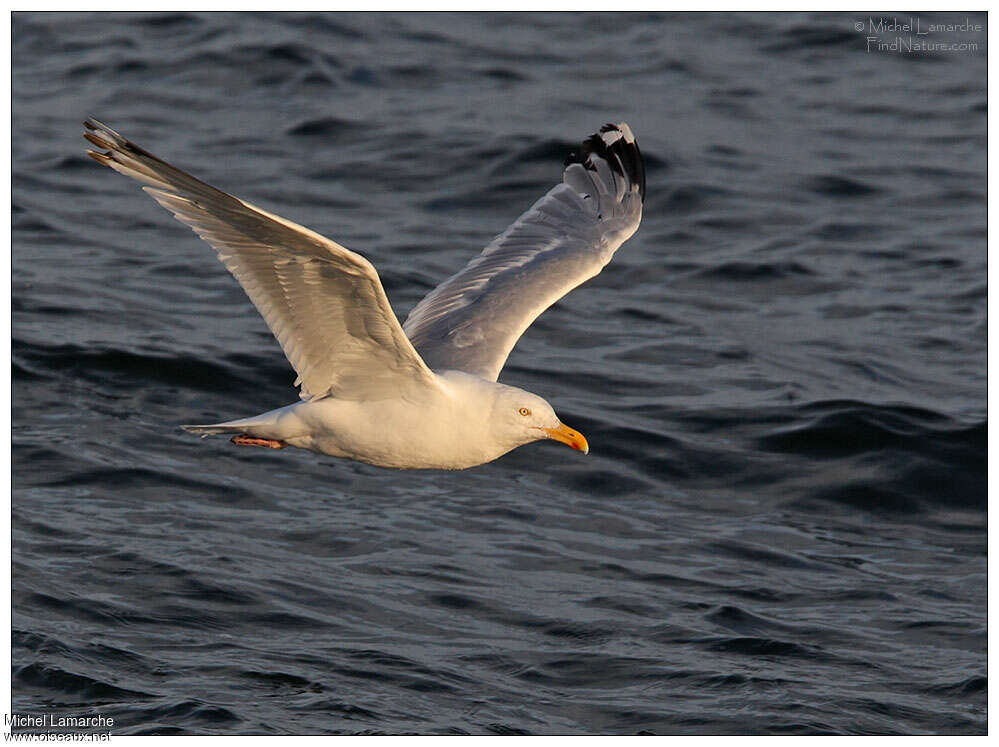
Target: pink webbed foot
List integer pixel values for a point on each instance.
(245, 440)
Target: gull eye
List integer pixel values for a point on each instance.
(524, 411)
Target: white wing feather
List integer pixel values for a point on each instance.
(471, 321)
(324, 304)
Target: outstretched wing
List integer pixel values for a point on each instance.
(471, 321)
(324, 303)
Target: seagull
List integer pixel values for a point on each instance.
(424, 394)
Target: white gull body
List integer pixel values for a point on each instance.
(423, 395)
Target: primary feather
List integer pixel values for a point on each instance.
(324, 303)
(472, 320)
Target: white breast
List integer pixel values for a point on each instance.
(446, 427)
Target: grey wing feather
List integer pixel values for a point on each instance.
(324, 303)
(472, 320)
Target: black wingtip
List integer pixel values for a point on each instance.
(616, 145)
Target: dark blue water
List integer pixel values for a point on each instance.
(781, 526)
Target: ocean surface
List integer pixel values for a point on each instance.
(781, 525)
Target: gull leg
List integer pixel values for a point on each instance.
(244, 440)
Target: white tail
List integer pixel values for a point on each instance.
(212, 430)
(243, 425)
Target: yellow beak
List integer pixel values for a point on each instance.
(569, 437)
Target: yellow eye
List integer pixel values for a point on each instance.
(524, 411)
